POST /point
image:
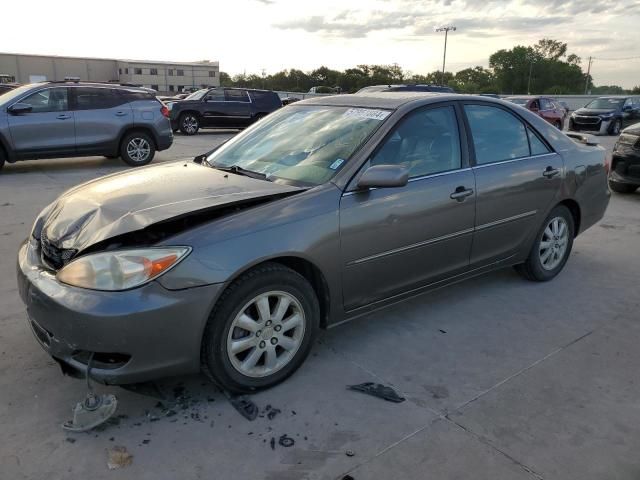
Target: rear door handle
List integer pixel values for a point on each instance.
(121, 114)
(63, 117)
(461, 193)
(550, 172)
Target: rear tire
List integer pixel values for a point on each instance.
(252, 315)
(137, 149)
(552, 247)
(558, 125)
(2, 160)
(189, 123)
(622, 187)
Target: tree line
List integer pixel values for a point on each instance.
(544, 68)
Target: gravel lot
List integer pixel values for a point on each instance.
(504, 379)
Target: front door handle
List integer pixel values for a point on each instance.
(63, 117)
(550, 172)
(121, 114)
(461, 193)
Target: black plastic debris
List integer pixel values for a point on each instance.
(244, 406)
(349, 453)
(378, 390)
(272, 412)
(348, 477)
(273, 443)
(285, 441)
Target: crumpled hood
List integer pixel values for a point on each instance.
(132, 200)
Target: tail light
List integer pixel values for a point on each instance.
(165, 111)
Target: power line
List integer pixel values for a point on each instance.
(616, 59)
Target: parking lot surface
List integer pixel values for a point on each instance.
(503, 378)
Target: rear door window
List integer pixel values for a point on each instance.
(90, 98)
(497, 134)
(236, 96)
(537, 146)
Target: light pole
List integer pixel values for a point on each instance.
(446, 30)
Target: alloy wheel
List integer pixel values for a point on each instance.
(266, 334)
(553, 245)
(190, 124)
(138, 149)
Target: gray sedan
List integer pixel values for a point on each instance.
(325, 210)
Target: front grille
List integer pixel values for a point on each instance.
(53, 256)
(586, 120)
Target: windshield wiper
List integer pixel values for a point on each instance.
(238, 170)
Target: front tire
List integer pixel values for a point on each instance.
(622, 187)
(2, 160)
(137, 149)
(615, 127)
(261, 329)
(558, 125)
(551, 248)
(189, 123)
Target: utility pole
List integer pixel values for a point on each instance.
(529, 82)
(586, 83)
(446, 30)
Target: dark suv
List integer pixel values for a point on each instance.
(606, 115)
(222, 108)
(69, 119)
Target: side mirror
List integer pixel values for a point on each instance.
(533, 108)
(20, 108)
(627, 108)
(383, 176)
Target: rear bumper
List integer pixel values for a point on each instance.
(136, 335)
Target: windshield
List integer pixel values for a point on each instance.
(197, 95)
(301, 144)
(11, 95)
(518, 101)
(606, 103)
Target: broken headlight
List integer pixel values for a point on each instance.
(121, 269)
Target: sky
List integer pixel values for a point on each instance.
(255, 35)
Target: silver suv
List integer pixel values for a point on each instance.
(67, 119)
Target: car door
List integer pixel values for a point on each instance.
(214, 109)
(397, 239)
(518, 177)
(101, 114)
(238, 106)
(48, 129)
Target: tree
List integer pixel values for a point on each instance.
(474, 80)
(636, 90)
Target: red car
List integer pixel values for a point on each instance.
(546, 107)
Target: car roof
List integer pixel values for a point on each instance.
(385, 100)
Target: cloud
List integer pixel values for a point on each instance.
(350, 24)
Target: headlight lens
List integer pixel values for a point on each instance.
(606, 116)
(121, 269)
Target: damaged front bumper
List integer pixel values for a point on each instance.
(135, 335)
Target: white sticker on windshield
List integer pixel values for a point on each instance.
(335, 165)
(367, 113)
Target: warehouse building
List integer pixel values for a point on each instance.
(165, 77)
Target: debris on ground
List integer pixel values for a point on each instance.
(273, 443)
(93, 411)
(349, 453)
(244, 406)
(348, 477)
(285, 441)
(271, 412)
(378, 390)
(118, 458)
